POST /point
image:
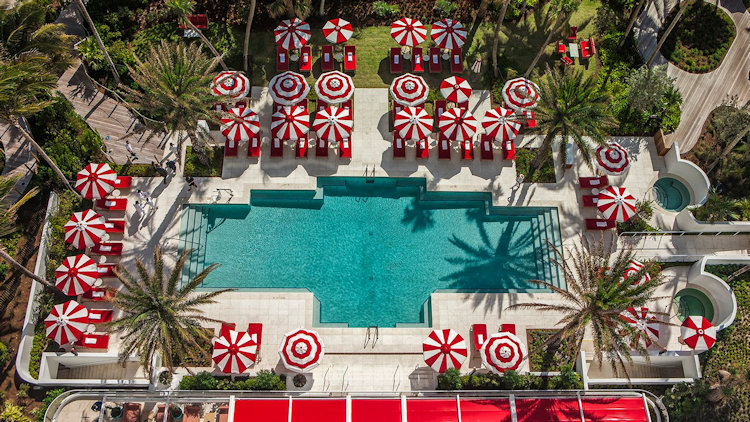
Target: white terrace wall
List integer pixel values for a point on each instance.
(725, 303)
(696, 179)
(686, 222)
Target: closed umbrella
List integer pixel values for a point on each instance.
(288, 88)
(301, 350)
(616, 203)
(290, 123)
(455, 89)
(698, 333)
(84, 229)
(448, 33)
(501, 124)
(334, 87)
(644, 323)
(458, 124)
(66, 322)
(612, 159)
(520, 94)
(292, 33)
(409, 90)
(503, 352)
(76, 275)
(234, 352)
(95, 181)
(412, 123)
(338, 30)
(232, 84)
(333, 124)
(240, 124)
(444, 349)
(633, 268)
(408, 31)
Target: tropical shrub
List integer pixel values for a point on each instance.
(165, 377)
(48, 399)
(264, 380)
(12, 413)
(450, 380)
(551, 358)
(545, 174)
(4, 354)
(510, 380)
(445, 8)
(153, 35)
(201, 381)
(639, 222)
(193, 167)
(384, 10)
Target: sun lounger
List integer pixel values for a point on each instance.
(321, 148)
(255, 330)
(321, 105)
(416, 60)
(444, 148)
(93, 341)
(123, 182)
(114, 226)
(131, 412)
(218, 107)
(457, 61)
(593, 182)
(479, 335)
(573, 33)
(399, 147)
(326, 58)
(423, 148)
(223, 414)
(253, 146)
(100, 316)
(349, 106)
(282, 59)
(395, 57)
(305, 59)
(440, 106)
(98, 294)
(566, 60)
(191, 413)
(487, 151)
(112, 204)
(590, 200)
(302, 103)
(464, 105)
(585, 49)
(301, 147)
(350, 58)
(435, 62)
(592, 47)
(226, 327)
(230, 148)
(530, 119)
(561, 48)
(467, 149)
(108, 248)
(160, 414)
(106, 270)
(277, 148)
(598, 224)
(240, 104)
(508, 328)
(396, 108)
(509, 150)
(345, 148)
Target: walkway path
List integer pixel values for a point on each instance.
(701, 93)
(19, 160)
(676, 247)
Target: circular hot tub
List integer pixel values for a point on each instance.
(693, 302)
(671, 194)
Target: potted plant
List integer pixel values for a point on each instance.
(115, 412)
(175, 412)
(165, 378)
(299, 380)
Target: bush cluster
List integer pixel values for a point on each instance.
(48, 399)
(4, 354)
(546, 174)
(510, 380)
(193, 167)
(12, 413)
(264, 381)
(385, 10)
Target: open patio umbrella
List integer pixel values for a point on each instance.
(698, 333)
(234, 352)
(292, 33)
(409, 90)
(76, 275)
(338, 30)
(290, 123)
(644, 323)
(448, 33)
(334, 87)
(501, 124)
(408, 31)
(412, 123)
(301, 350)
(67, 322)
(288, 88)
(633, 268)
(520, 94)
(231, 83)
(333, 124)
(616, 203)
(455, 89)
(458, 124)
(444, 349)
(240, 124)
(612, 159)
(503, 352)
(84, 229)
(95, 181)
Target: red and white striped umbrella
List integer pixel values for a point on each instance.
(698, 333)
(333, 124)
(95, 181)
(67, 322)
(520, 94)
(338, 30)
(503, 352)
(334, 87)
(234, 352)
(444, 349)
(458, 124)
(288, 88)
(645, 324)
(612, 159)
(76, 275)
(84, 229)
(408, 31)
(301, 350)
(412, 123)
(292, 33)
(616, 203)
(409, 90)
(240, 124)
(448, 33)
(232, 84)
(633, 269)
(290, 123)
(501, 124)
(455, 89)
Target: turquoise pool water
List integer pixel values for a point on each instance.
(671, 194)
(693, 302)
(371, 252)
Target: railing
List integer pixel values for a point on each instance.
(681, 233)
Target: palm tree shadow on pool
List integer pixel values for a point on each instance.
(420, 217)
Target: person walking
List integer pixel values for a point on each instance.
(139, 211)
(172, 165)
(148, 199)
(191, 183)
(161, 171)
(129, 148)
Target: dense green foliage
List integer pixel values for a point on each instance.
(719, 207)
(10, 244)
(49, 397)
(4, 354)
(12, 413)
(264, 381)
(640, 221)
(510, 380)
(548, 358)
(57, 248)
(545, 174)
(193, 167)
(385, 10)
(445, 8)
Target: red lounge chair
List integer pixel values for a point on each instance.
(395, 57)
(223, 415)
(590, 200)
(487, 152)
(598, 224)
(399, 148)
(98, 294)
(255, 330)
(321, 105)
(123, 182)
(508, 328)
(160, 414)
(112, 204)
(567, 61)
(592, 47)
(561, 48)
(93, 341)
(423, 148)
(225, 327)
(464, 105)
(108, 248)
(200, 22)
(302, 103)
(230, 148)
(440, 106)
(530, 119)
(100, 316)
(479, 335)
(345, 148)
(350, 58)
(593, 182)
(468, 150)
(301, 150)
(435, 62)
(457, 61)
(585, 49)
(277, 148)
(282, 59)
(192, 413)
(321, 148)
(396, 108)
(326, 58)
(444, 148)
(509, 150)
(240, 104)
(305, 59)
(114, 226)
(106, 270)
(573, 33)
(347, 105)
(131, 412)
(416, 60)
(253, 147)
(218, 107)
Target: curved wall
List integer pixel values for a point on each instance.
(695, 179)
(721, 295)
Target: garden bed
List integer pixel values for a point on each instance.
(548, 358)
(194, 168)
(545, 174)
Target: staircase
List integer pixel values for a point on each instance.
(193, 235)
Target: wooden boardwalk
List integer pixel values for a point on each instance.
(19, 159)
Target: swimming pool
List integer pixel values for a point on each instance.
(372, 250)
(671, 194)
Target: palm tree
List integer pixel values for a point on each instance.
(572, 107)
(87, 18)
(730, 146)
(563, 9)
(175, 88)
(496, 40)
(290, 8)
(25, 90)
(631, 21)
(184, 8)
(596, 295)
(246, 46)
(717, 208)
(160, 317)
(668, 31)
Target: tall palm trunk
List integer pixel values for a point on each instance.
(85, 13)
(199, 147)
(666, 33)
(496, 41)
(246, 48)
(560, 20)
(541, 153)
(322, 7)
(206, 42)
(728, 149)
(44, 155)
(25, 271)
(631, 21)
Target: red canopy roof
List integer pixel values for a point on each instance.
(485, 410)
(318, 410)
(432, 410)
(376, 410)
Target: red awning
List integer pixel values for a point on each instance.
(318, 410)
(625, 409)
(266, 410)
(479, 410)
(431, 410)
(548, 410)
(376, 410)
